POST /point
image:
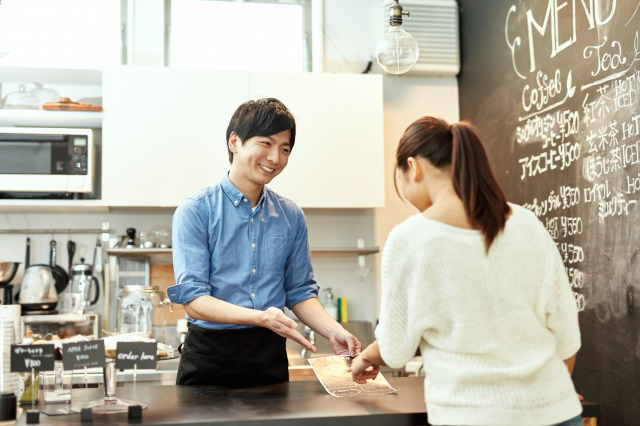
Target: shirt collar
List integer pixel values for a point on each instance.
(235, 195)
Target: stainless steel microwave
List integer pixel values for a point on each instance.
(52, 160)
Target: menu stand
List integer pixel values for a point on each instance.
(110, 403)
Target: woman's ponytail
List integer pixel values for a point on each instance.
(458, 146)
(474, 182)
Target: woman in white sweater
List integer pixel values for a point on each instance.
(478, 285)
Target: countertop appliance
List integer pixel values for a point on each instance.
(82, 280)
(46, 160)
(7, 272)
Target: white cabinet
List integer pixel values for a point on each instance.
(338, 156)
(164, 134)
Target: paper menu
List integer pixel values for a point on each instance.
(332, 373)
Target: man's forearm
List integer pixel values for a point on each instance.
(208, 308)
(312, 313)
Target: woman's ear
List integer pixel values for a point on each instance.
(415, 169)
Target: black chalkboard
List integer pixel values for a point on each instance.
(140, 355)
(554, 89)
(32, 357)
(83, 354)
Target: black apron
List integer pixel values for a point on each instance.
(239, 358)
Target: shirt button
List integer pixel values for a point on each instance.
(245, 200)
(251, 219)
(253, 245)
(253, 270)
(235, 202)
(253, 295)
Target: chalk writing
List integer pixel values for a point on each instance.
(636, 58)
(571, 253)
(606, 60)
(560, 158)
(616, 206)
(567, 196)
(546, 90)
(559, 18)
(581, 302)
(576, 277)
(578, 157)
(563, 226)
(618, 158)
(551, 128)
(597, 192)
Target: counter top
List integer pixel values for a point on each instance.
(299, 403)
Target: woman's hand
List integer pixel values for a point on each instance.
(361, 370)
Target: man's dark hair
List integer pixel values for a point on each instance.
(264, 117)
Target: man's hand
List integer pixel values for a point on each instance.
(361, 370)
(275, 320)
(345, 343)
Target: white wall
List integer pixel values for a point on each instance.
(351, 30)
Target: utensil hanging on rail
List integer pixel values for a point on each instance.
(71, 250)
(60, 275)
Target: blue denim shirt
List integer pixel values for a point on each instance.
(255, 259)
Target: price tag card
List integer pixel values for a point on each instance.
(83, 354)
(140, 355)
(25, 358)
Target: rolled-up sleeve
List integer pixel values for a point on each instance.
(191, 257)
(298, 279)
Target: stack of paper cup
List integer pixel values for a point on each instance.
(13, 312)
(8, 380)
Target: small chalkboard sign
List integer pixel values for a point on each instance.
(139, 355)
(25, 358)
(83, 354)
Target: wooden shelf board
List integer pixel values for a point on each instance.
(43, 118)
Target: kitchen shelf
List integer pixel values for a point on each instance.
(52, 206)
(43, 118)
(138, 252)
(345, 250)
(51, 75)
(168, 251)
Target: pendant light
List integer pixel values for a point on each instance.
(397, 51)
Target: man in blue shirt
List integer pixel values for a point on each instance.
(240, 254)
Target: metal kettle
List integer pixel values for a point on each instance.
(82, 280)
(38, 290)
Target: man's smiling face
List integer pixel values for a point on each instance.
(260, 158)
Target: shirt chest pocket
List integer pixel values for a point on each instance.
(275, 253)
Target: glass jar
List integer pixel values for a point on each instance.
(142, 309)
(31, 382)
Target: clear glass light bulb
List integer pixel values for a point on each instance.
(397, 52)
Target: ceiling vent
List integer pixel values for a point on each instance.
(435, 26)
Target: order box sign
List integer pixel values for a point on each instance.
(83, 354)
(139, 355)
(26, 358)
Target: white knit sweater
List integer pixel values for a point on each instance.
(493, 329)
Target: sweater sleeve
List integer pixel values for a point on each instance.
(398, 333)
(562, 312)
